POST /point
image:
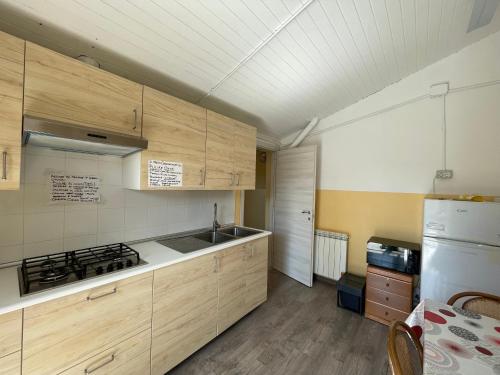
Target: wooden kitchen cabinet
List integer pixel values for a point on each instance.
(62, 333)
(231, 152)
(11, 97)
(256, 271)
(176, 132)
(10, 332)
(64, 89)
(11, 364)
(184, 311)
(129, 357)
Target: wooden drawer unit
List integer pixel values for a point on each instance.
(129, 357)
(388, 295)
(184, 311)
(11, 364)
(61, 333)
(10, 332)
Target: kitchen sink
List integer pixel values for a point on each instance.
(213, 237)
(238, 232)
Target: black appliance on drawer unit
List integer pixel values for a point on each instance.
(394, 254)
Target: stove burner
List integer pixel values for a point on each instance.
(53, 274)
(43, 272)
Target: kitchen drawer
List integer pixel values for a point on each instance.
(61, 333)
(388, 284)
(10, 332)
(11, 364)
(383, 314)
(389, 299)
(129, 357)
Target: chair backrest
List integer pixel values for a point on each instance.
(404, 350)
(479, 302)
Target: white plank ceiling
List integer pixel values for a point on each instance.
(273, 63)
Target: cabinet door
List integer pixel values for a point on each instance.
(176, 131)
(232, 286)
(245, 147)
(66, 331)
(64, 89)
(184, 311)
(10, 332)
(256, 273)
(11, 98)
(220, 159)
(11, 364)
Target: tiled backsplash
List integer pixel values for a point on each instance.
(31, 225)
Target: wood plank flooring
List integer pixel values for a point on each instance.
(299, 330)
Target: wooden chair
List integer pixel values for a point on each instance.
(404, 349)
(479, 302)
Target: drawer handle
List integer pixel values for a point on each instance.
(4, 165)
(386, 313)
(91, 298)
(387, 298)
(90, 370)
(387, 285)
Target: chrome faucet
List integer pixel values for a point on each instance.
(215, 224)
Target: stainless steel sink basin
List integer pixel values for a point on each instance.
(213, 237)
(238, 232)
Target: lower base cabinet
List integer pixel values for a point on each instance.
(11, 364)
(196, 300)
(184, 311)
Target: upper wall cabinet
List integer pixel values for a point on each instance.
(64, 89)
(176, 132)
(11, 97)
(231, 153)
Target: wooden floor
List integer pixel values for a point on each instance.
(299, 330)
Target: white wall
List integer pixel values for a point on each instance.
(31, 225)
(379, 145)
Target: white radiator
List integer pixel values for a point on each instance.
(330, 254)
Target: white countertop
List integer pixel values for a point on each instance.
(156, 256)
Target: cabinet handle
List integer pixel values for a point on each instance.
(232, 179)
(113, 291)
(135, 119)
(387, 285)
(202, 176)
(90, 370)
(238, 180)
(4, 165)
(216, 265)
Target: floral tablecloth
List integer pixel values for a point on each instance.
(456, 341)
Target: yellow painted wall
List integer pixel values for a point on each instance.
(366, 214)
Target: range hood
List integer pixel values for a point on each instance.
(68, 137)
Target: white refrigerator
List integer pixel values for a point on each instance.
(460, 248)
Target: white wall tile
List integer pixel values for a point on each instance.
(80, 222)
(39, 167)
(42, 248)
(43, 226)
(11, 230)
(110, 171)
(84, 166)
(110, 237)
(10, 253)
(111, 219)
(80, 242)
(11, 202)
(37, 199)
(136, 217)
(112, 197)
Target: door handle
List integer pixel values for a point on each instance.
(4, 165)
(306, 212)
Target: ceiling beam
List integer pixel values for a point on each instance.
(256, 50)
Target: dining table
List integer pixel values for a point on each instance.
(456, 341)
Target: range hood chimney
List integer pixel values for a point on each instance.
(75, 138)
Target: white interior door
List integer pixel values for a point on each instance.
(294, 199)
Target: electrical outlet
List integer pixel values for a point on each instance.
(444, 174)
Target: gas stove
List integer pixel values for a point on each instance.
(40, 273)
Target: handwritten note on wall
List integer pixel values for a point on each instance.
(72, 188)
(164, 173)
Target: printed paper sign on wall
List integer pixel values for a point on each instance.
(81, 189)
(164, 173)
